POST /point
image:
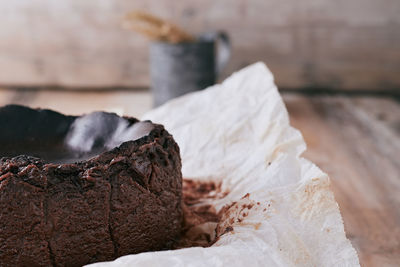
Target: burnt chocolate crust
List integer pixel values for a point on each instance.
(123, 201)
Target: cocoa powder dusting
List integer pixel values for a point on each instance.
(202, 224)
(196, 213)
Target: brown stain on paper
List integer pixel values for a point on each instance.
(202, 224)
(197, 214)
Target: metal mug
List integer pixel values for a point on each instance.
(177, 69)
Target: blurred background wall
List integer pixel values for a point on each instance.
(345, 44)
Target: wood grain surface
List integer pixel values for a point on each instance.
(356, 140)
(341, 44)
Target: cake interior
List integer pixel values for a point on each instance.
(57, 138)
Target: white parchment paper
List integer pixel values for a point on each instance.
(238, 133)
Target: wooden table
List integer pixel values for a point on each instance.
(356, 140)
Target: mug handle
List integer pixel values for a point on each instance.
(223, 51)
(223, 48)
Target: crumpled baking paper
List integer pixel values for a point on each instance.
(238, 133)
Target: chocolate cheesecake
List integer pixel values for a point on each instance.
(78, 190)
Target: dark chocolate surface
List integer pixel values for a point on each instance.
(58, 138)
(78, 190)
